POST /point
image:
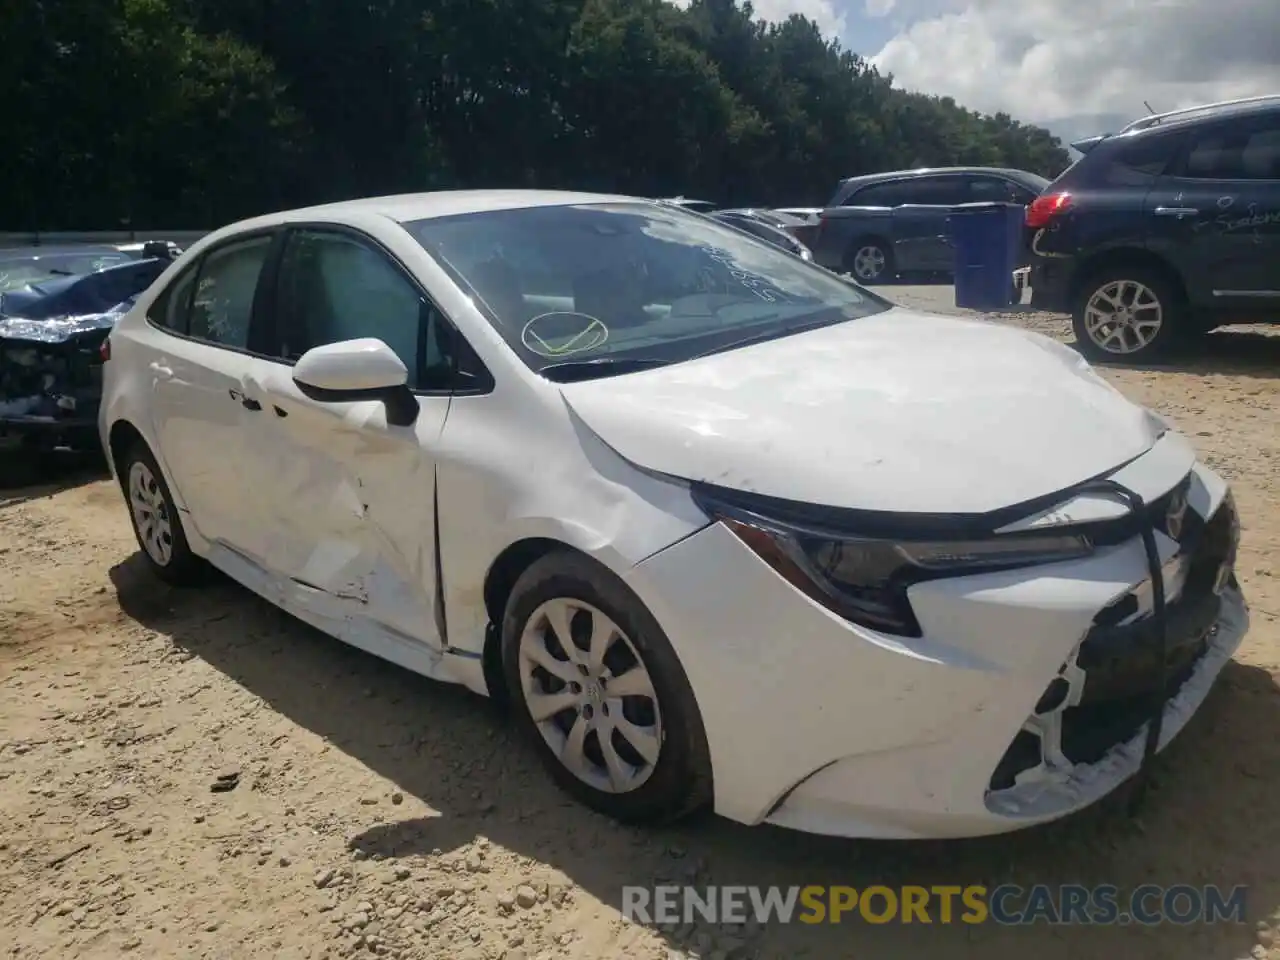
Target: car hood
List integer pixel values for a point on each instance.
(900, 411)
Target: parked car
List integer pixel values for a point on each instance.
(769, 227)
(51, 332)
(885, 224)
(1164, 230)
(723, 528)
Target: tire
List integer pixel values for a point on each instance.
(673, 776)
(1153, 288)
(147, 495)
(866, 253)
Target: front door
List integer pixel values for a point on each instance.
(198, 410)
(1217, 217)
(351, 495)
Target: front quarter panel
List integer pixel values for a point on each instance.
(518, 465)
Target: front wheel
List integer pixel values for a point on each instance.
(598, 690)
(1130, 315)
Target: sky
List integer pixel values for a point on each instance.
(1078, 67)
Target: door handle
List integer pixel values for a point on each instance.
(159, 369)
(1176, 211)
(247, 402)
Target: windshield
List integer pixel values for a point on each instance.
(631, 281)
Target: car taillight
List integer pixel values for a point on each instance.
(1043, 209)
(104, 351)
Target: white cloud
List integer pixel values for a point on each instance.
(1057, 61)
(879, 8)
(822, 12)
(830, 20)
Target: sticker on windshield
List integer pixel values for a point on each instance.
(563, 333)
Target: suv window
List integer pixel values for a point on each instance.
(335, 287)
(222, 304)
(1240, 152)
(891, 194)
(996, 189)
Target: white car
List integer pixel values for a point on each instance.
(724, 529)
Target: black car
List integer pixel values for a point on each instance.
(884, 225)
(1163, 231)
(51, 335)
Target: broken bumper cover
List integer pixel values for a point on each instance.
(51, 379)
(819, 725)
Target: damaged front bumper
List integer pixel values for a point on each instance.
(1026, 698)
(51, 380)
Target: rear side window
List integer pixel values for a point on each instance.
(171, 309)
(1150, 155)
(1243, 152)
(222, 303)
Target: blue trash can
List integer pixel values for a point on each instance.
(987, 238)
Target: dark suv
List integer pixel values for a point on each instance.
(1163, 231)
(884, 225)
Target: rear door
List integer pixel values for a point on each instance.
(924, 239)
(210, 315)
(1217, 217)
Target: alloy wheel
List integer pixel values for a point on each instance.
(590, 695)
(1123, 317)
(150, 513)
(869, 263)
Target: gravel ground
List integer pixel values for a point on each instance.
(196, 775)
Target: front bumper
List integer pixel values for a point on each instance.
(819, 725)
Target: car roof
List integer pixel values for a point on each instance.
(407, 207)
(930, 171)
(1206, 113)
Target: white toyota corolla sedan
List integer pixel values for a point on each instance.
(723, 528)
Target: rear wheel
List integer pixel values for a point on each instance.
(155, 520)
(1129, 314)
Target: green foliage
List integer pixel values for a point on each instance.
(167, 113)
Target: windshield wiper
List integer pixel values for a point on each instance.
(568, 371)
(771, 334)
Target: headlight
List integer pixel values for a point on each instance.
(865, 580)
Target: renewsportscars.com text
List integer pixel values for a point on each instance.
(1009, 904)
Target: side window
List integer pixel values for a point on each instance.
(170, 310)
(940, 191)
(222, 304)
(996, 189)
(1239, 152)
(892, 194)
(334, 287)
(1138, 161)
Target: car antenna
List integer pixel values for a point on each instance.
(1150, 111)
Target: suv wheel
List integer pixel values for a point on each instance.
(870, 261)
(1128, 314)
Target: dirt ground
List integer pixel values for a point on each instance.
(375, 813)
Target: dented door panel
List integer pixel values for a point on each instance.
(351, 498)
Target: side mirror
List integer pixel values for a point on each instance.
(363, 369)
